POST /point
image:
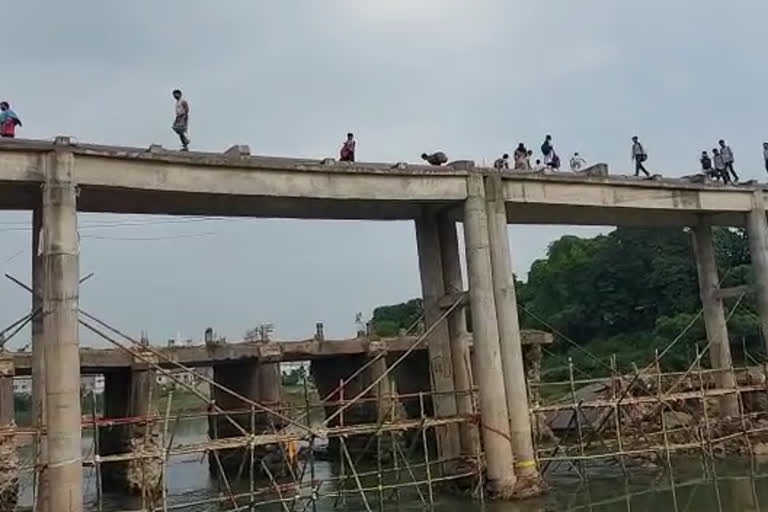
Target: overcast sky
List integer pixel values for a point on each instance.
(292, 77)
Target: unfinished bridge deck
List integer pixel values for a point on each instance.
(96, 360)
(158, 181)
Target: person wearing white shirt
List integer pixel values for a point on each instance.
(577, 162)
(765, 155)
(727, 153)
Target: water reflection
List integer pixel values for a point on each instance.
(731, 485)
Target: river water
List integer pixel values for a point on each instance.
(741, 487)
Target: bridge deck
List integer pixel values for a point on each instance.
(136, 180)
(110, 360)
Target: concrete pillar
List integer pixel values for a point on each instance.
(757, 230)
(38, 354)
(9, 462)
(459, 337)
(493, 403)
(259, 382)
(381, 391)
(714, 316)
(327, 374)
(131, 394)
(438, 343)
(529, 482)
(62, 358)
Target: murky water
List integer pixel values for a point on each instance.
(741, 486)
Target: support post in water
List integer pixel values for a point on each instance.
(457, 330)
(714, 317)
(529, 482)
(438, 343)
(493, 403)
(757, 231)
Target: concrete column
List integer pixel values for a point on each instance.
(9, 462)
(757, 230)
(714, 316)
(270, 383)
(131, 394)
(438, 343)
(376, 370)
(529, 481)
(493, 403)
(62, 358)
(245, 379)
(38, 352)
(459, 337)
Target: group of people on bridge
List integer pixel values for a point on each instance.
(719, 167)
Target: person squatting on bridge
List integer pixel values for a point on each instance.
(577, 162)
(8, 120)
(347, 153)
(639, 156)
(710, 171)
(727, 154)
(436, 158)
(502, 163)
(181, 122)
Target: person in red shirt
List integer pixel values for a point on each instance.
(8, 120)
(347, 153)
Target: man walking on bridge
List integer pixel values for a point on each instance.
(727, 153)
(8, 120)
(639, 156)
(181, 122)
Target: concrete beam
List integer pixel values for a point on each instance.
(110, 360)
(733, 292)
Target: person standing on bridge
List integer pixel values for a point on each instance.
(436, 158)
(547, 149)
(347, 153)
(720, 167)
(727, 154)
(8, 120)
(181, 122)
(639, 156)
(765, 155)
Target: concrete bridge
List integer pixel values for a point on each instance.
(99, 360)
(57, 179)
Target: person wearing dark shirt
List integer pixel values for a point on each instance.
(436, 158)
(502, 163)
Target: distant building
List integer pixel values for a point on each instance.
(291, 366)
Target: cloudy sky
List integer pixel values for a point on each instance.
(292, 77)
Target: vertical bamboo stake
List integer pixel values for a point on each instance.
(378, 452)
(579, 431)
(706, 453)
(166, 451)
(616, 419)
(342, 468)
(97, 453)
(252, 455)
(394, 400)
(313, 495)
(426, 449)
(478, 451)
(660, 396)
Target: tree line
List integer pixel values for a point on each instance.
(627, 292)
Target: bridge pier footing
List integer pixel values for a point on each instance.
(130, 394)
